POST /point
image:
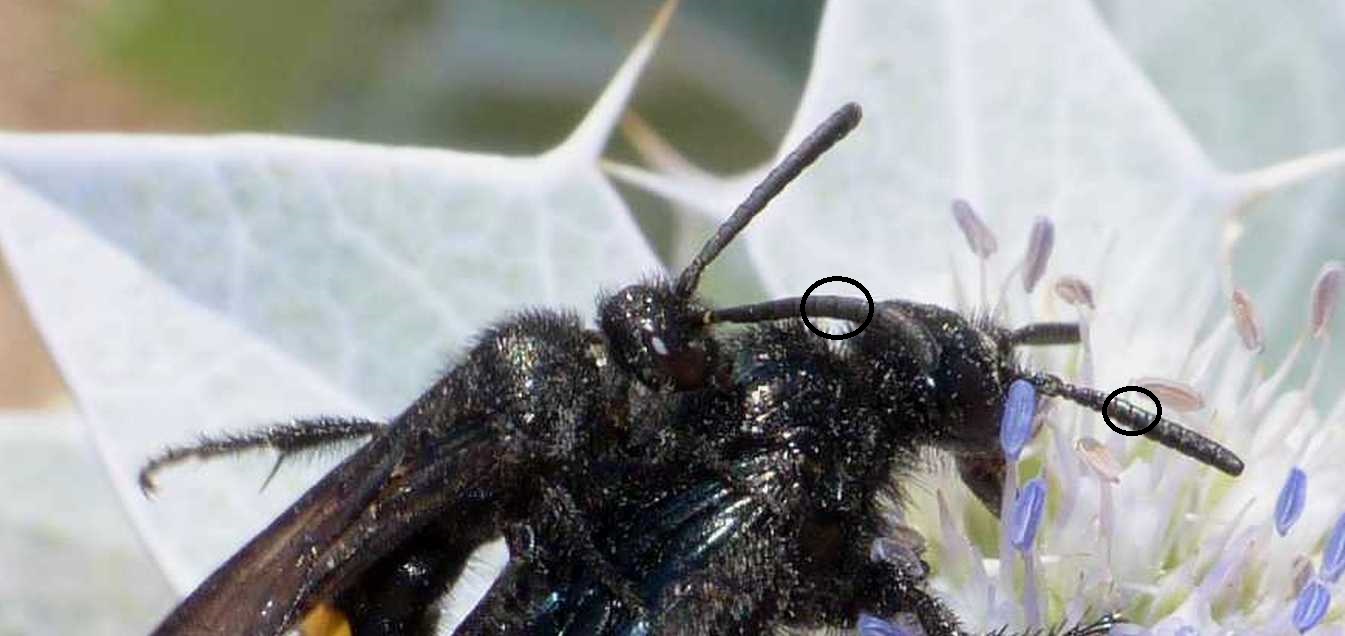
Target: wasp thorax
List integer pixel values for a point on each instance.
(654, 335)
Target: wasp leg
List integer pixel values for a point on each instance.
(890, 591)
(1100, 627)
(546, 596)
(558, 581)
(1097, 628)
(399, 593)
(287, 439)
(841, 581)
(558, 502)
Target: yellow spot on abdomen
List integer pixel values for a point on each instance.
(325, 620)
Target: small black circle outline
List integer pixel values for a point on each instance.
(1130, 387)
(803, 304)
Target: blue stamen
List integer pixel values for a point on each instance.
(1333, 558)
(1015, 427)
(1312, 604)
(870, 625)
(1026, 515)
(1290, 504)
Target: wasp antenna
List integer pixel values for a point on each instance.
(838, 307)
(835, 128)
(1165, 432)
(1046, 333)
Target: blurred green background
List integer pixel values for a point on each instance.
(501, 76)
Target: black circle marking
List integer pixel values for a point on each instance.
(803, 307)
(1107, 403)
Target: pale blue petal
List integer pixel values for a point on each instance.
(1015, 427)
(1290, 504)
(870, 625)
(1026, 517)
(1333, 558)
(1312, 604)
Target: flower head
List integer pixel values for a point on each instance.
(1129, 527)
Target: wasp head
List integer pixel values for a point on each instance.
(656, 335)
(939, 375)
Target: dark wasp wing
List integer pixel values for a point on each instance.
(521, 401)
(356, 514)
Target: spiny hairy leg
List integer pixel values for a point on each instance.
(890, 591)
(1100, 627)
(560, 505)
(287, 439)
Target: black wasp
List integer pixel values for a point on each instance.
(649, 476)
